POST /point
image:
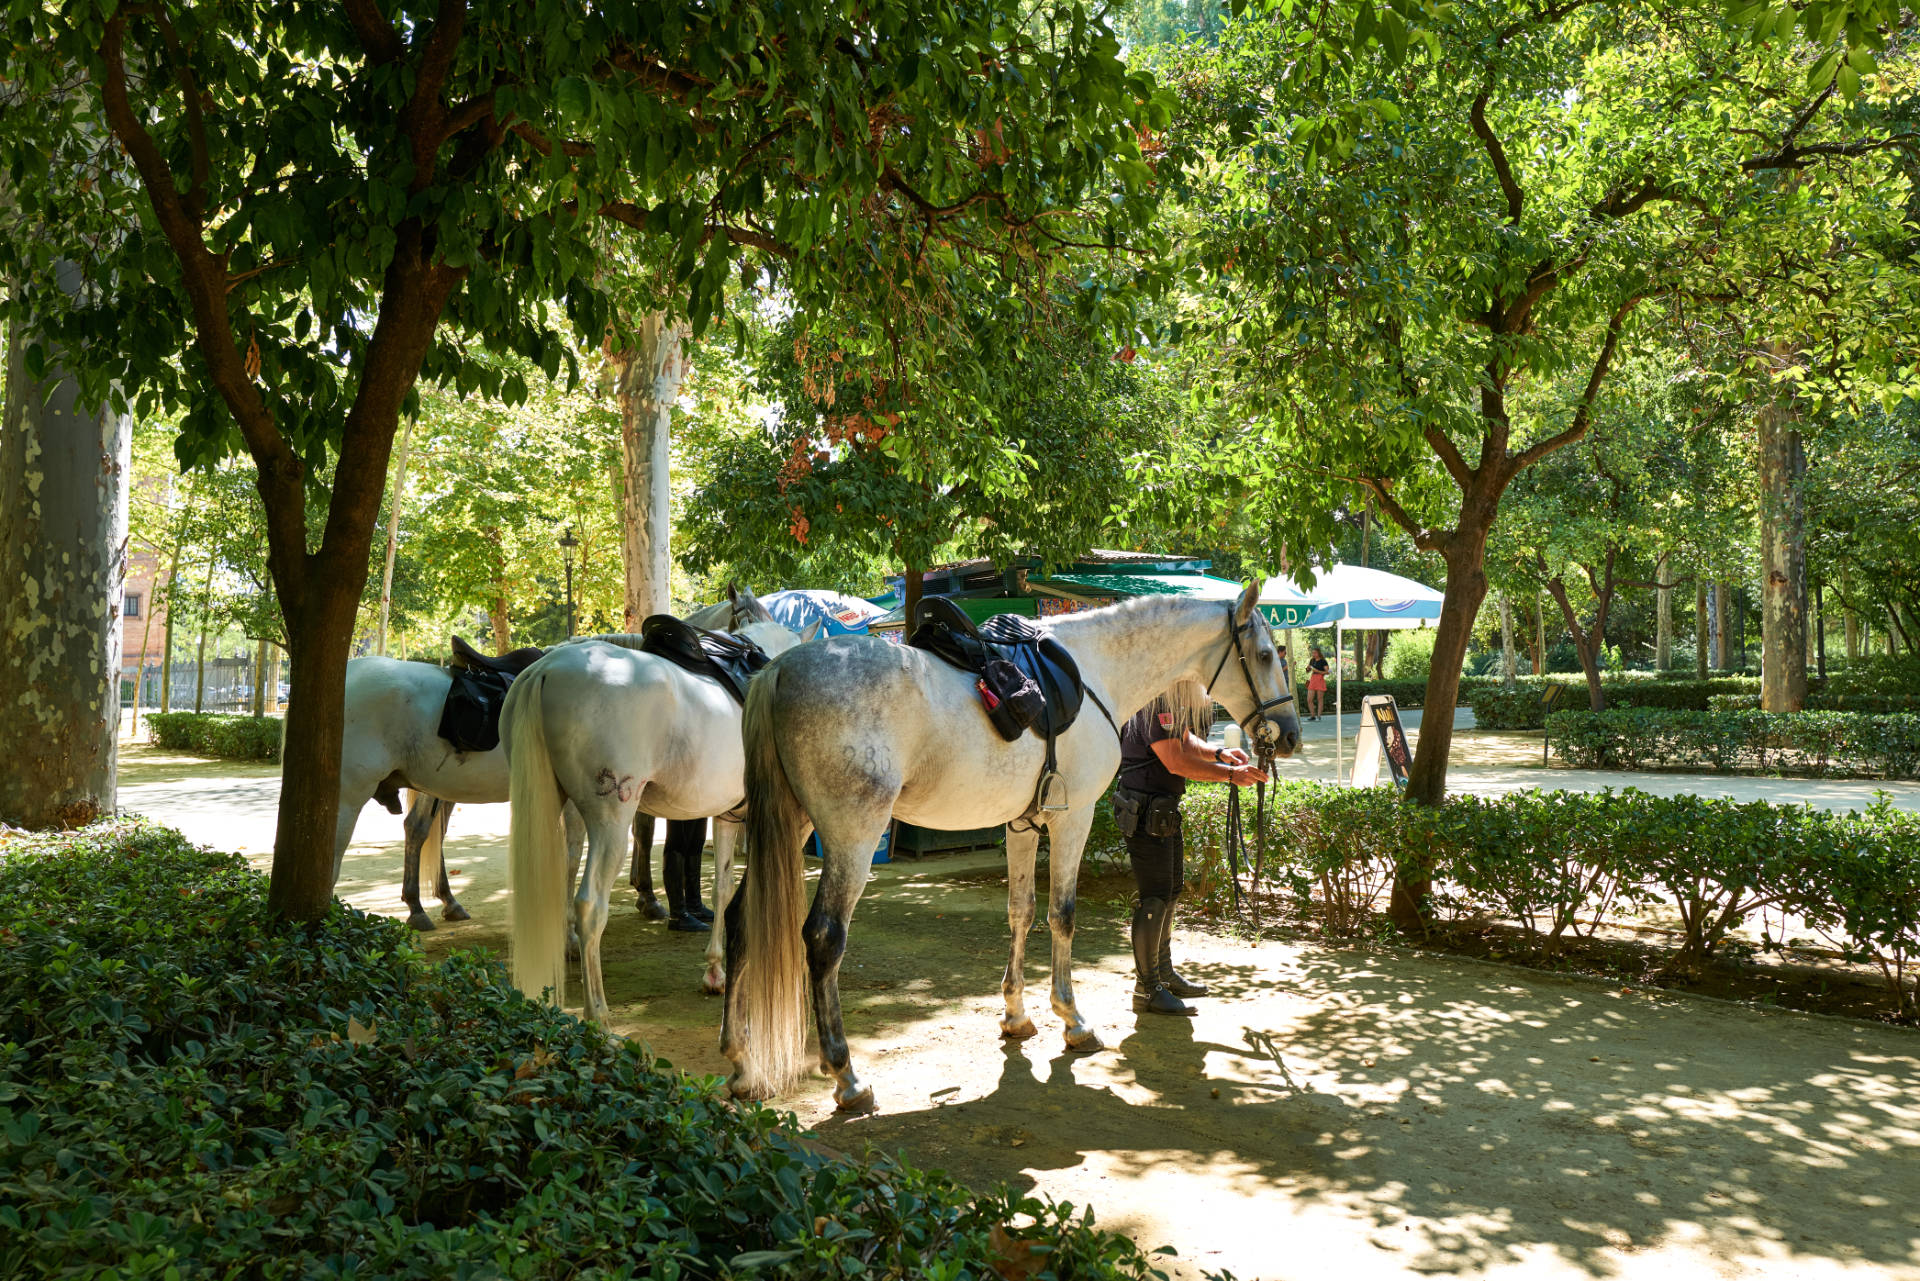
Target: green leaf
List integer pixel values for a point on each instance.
(572, 98)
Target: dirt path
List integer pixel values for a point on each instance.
(1428, 1115)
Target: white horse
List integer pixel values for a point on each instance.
(845, 734)
(613, 731)
(392, 743)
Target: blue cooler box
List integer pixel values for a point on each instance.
(881, 852)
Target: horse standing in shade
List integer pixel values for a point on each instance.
(613, 731)
(847, 733)
(392, 743)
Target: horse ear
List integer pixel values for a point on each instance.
(1243, 610)
(733, 592)
(812, 630)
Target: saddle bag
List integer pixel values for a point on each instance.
(1161, 817)
(1017, 702)
(470, 718)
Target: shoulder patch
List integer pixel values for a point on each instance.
(1166, 720)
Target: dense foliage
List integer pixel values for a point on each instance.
(1821, 743)
(1524, 707)
(240, 738)
(1557, 862)
(189, 1089)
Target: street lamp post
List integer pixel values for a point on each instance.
(567, 543)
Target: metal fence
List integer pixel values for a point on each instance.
(228, 686)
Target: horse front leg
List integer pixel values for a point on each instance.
(845, 867)
(1023, 848)
(1066, 838)
(606, 842)
(726, 839)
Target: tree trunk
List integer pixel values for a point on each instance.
(393, 535)
(1587, 642)
(260, 678)
(1783, 550)
(910, 588)
(1700, 628)
(273, 677)
(1465, 555)
(1663, 625)
(146, 638)
(63, 524)
(319, 643)
(1507, 665)
(1540, 633)
(646, 383)
(1853, 635)
(502, 626)
(1720, 623)
(200, 660)
(1360, 655)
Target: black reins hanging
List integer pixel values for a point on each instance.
(1236, 837)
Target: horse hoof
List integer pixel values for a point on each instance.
(859, 1103)
(714, 981)
(454, 912)
(1086, 1041)
(753, 1094)
(1017, 1031)
(420, 921)
(651, 909)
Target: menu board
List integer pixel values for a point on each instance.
(1381, 735)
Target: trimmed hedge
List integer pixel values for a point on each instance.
(1878, 704)
(189, 1089)
(1497, 709)
(1555, 862)
(240, 738)
(1819, 743)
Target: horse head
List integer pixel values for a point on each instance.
(1259, 693)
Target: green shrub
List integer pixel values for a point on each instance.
(1877, 675)
(1817, 743)
(1499, 709)
(240, 738)
(1409, 655)
(1557, 861)
(190, 1090)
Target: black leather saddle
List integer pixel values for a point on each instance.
(1027, 679)
(470, 659)
(731, 660)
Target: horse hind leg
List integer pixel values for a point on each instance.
(606, 843)
(1023, 847)
(422, 814)
(450, 908)
(846, 866)
(1066, 837)
(576, 828)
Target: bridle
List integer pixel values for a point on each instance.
(1258, 732)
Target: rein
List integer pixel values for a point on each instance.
(1236, 837)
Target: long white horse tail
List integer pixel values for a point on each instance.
(770, 980)
(536, 847)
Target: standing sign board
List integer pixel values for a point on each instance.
(1381, 734)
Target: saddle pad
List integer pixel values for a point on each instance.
(470, 718)
(729, 659)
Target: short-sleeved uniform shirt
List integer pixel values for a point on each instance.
(1140, 769)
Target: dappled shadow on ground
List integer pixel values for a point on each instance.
(1467, 1117)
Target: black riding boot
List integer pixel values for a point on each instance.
(1151, 918)
(682, 876)
(1170, 978)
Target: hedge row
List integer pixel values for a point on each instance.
(240, 738)
(1521, 709)
(1820, 743)
(1556, 862)
(188, 1089)
(1824, 702)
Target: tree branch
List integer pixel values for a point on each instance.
(1477, 117)
(1583, 415)
(1442, 444)
(375, 33)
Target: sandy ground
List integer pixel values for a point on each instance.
(1425, 1115)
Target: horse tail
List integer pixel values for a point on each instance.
(431, 853)
(769, 979)
(536, 847)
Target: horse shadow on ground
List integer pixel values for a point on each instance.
(1465, 1113)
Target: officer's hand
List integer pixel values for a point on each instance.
(1241, 775)
(1233, 756)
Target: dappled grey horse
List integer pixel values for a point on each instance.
(845, 734)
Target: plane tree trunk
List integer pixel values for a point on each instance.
(63, 526)
(647, 379)
(1783, 549)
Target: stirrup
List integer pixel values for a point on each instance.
(1050, 783)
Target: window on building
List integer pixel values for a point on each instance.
(130, 605)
